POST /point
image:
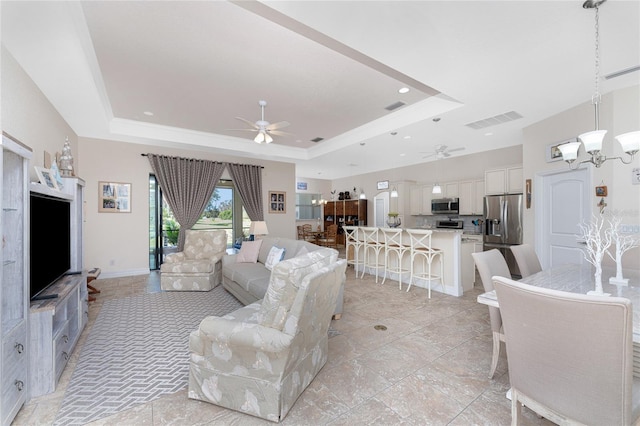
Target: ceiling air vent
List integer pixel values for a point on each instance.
(394, 106)
(495, 120)
(316, 140)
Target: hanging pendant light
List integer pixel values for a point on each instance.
(437, 189)
(592, 141)
(394, 192)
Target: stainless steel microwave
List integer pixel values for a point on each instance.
(445, 206)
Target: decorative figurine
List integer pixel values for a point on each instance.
(623, 243)
(66, 160)
(596, 244)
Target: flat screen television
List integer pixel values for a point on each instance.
(50, 241)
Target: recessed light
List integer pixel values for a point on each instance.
(403, 90)
(363, 143)
(407, 137)
(436, 119)
(402, 155)
(148, 113)
(489, 134)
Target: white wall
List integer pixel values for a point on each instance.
(28, 116)
(119, 242)
(619, 113)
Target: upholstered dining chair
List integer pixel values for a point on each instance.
(570, 355)
(527, 259)
(489, 264)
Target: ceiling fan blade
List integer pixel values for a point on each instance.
(242, 130)
(252, 124)
(430, 155)
(279, 133)
(456, 149)
(278, 125)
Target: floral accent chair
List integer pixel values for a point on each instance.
(198, 267)
(260, 358)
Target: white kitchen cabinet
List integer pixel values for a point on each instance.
(503, 181)
(478, 197)
(466, 193)
(515, 184)
(14, 282)
(427, 196)
(415, 198)
(450, 190)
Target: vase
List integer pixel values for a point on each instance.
(393, 222)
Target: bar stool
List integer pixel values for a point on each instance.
(372, 247)
(353, 242)
(394, 247)
(421, 248)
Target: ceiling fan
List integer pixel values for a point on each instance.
(264, 128)
(441, 151)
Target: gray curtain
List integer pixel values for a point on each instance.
(248, 181)
(187, 185)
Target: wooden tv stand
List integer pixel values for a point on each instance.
(55, 326)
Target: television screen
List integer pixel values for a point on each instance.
(50, 241)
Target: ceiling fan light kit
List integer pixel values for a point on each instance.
(592, 141)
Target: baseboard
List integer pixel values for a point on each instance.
(124, 273)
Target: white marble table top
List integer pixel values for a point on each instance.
(580, 279)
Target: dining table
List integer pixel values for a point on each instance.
(575, 278)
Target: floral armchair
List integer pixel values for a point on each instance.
(198, 267)
(260, 358)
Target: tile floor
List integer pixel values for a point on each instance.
(429, 366)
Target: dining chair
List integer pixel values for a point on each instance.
(491, 263)
(353, 246)
(394, 251)
(372, 246)
(422, 250)
(300, 232)
(570, 355)
(527, 259)
(330, 237)
(307, 231)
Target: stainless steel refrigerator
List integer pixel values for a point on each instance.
(503, 226)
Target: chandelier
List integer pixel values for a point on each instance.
(592, 141)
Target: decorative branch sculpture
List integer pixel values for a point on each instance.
(623, 243)
(597, 242)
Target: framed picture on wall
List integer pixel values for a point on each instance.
(601, 191)
(277, 202)
(553, 153)
(114, 197)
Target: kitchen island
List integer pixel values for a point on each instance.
(450, 242)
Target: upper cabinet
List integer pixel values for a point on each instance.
(503, 181)
(471, 195)
(451, 190)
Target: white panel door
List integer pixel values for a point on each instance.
(564, 204)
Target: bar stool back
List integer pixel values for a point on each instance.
(372, 247)
(394, 248)
(353, 245)
(422, 250)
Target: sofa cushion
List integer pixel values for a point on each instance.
(249, 251)
(252, 277)
(204, 266)
(201, 244)
(276, 254)
(285, 281)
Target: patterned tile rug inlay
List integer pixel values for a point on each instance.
(137, 350)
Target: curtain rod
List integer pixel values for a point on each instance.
(195, 159)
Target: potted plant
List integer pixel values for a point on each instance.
(394, 220)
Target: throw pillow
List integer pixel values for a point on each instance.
(249, 251)
(276, 254)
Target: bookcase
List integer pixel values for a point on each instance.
(345, 212)
(14, 279)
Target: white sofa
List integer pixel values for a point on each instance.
(248, 282)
